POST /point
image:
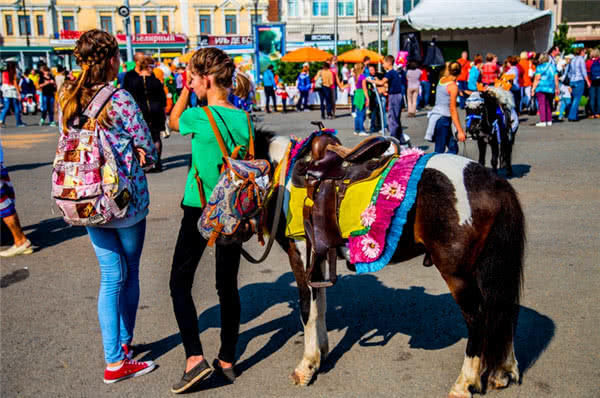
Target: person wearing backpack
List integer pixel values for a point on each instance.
(595, 83)
(211, 76)
(124, 141)
(303, 83)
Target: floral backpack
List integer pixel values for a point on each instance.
(86, 185)
(235, 208)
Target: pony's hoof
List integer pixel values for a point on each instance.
(299, 380)
(455, 394)
(501, 379)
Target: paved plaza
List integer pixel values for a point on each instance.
(395, 333)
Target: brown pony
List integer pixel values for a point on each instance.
(467, 222)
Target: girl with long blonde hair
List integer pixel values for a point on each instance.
(118, 244)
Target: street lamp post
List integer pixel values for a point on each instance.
(379, 23)
(27, 25)
(127, 21)
(255, 44)
(335, 29)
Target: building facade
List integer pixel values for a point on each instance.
(582, 17)
(35, 30)
(357, 19)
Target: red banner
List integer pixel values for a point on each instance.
(145, 38)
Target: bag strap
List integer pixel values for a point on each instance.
(226, 127)
(216, 131)
(250, 151)
(99, 101)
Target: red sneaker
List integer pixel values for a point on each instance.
(128, 369)
(128, 350)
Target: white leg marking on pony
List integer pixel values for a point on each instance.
(470, 375)
(453, 167)
(277, 148)
(316, 343)
(507, 372)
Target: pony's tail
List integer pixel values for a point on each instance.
(500, 277)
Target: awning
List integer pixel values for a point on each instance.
(470, 14)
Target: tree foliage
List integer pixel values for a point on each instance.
(561, 40)
(288, 71)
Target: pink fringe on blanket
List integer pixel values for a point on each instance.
(369, 247)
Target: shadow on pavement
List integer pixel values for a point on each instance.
(51, 232)
(519, 171)
(371, 313)
(173, 162)
(28, 166)
(14, 277)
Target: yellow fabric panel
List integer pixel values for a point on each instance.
(357, 199)
(295, 220)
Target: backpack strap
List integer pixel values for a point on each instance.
(216, 131)
(99, 101)
(250, 137)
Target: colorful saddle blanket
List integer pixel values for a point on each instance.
(373, 211)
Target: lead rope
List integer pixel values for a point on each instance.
(278, 207)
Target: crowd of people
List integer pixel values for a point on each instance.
(549, 84)
(152, 99)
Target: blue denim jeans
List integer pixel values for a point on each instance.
(8, 102)
(384, 111)
(443, 137)
(48, 107)
(426, 90)
(118, 251)
(595, 100)
(359, 120)
(462, 99)
(564, 106)
(578, 88)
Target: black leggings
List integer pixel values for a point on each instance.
(188, 251)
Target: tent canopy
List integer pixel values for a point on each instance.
(504, 27)
(471, 14)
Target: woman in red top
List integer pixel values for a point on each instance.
(489, 70)
(425, 89)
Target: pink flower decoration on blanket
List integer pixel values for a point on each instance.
(393, 190)
(367, 217)
(370, 247)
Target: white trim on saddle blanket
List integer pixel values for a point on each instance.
(504, 97)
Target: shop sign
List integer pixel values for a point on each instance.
(144, 38)
(319, 37)
(225, 40)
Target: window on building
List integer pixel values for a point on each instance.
(230, 24)
(68, 22)
(346, 8)
(151, 24)
(106, 23)
(137, 24)
(8, 22)
(165, 23)
(320, 8)
(408, 5)
(24, 25)
(542, 4)
(205, 24)
(40, 24)
(375, 7)
(293, 8)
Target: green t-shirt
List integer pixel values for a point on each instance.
(206, 154)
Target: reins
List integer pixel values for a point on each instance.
(278, 208)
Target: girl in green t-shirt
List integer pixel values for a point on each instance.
(211, 75)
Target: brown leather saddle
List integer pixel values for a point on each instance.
(326, 174)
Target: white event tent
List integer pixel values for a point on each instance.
(504, 27)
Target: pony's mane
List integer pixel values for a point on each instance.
(504, 97)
